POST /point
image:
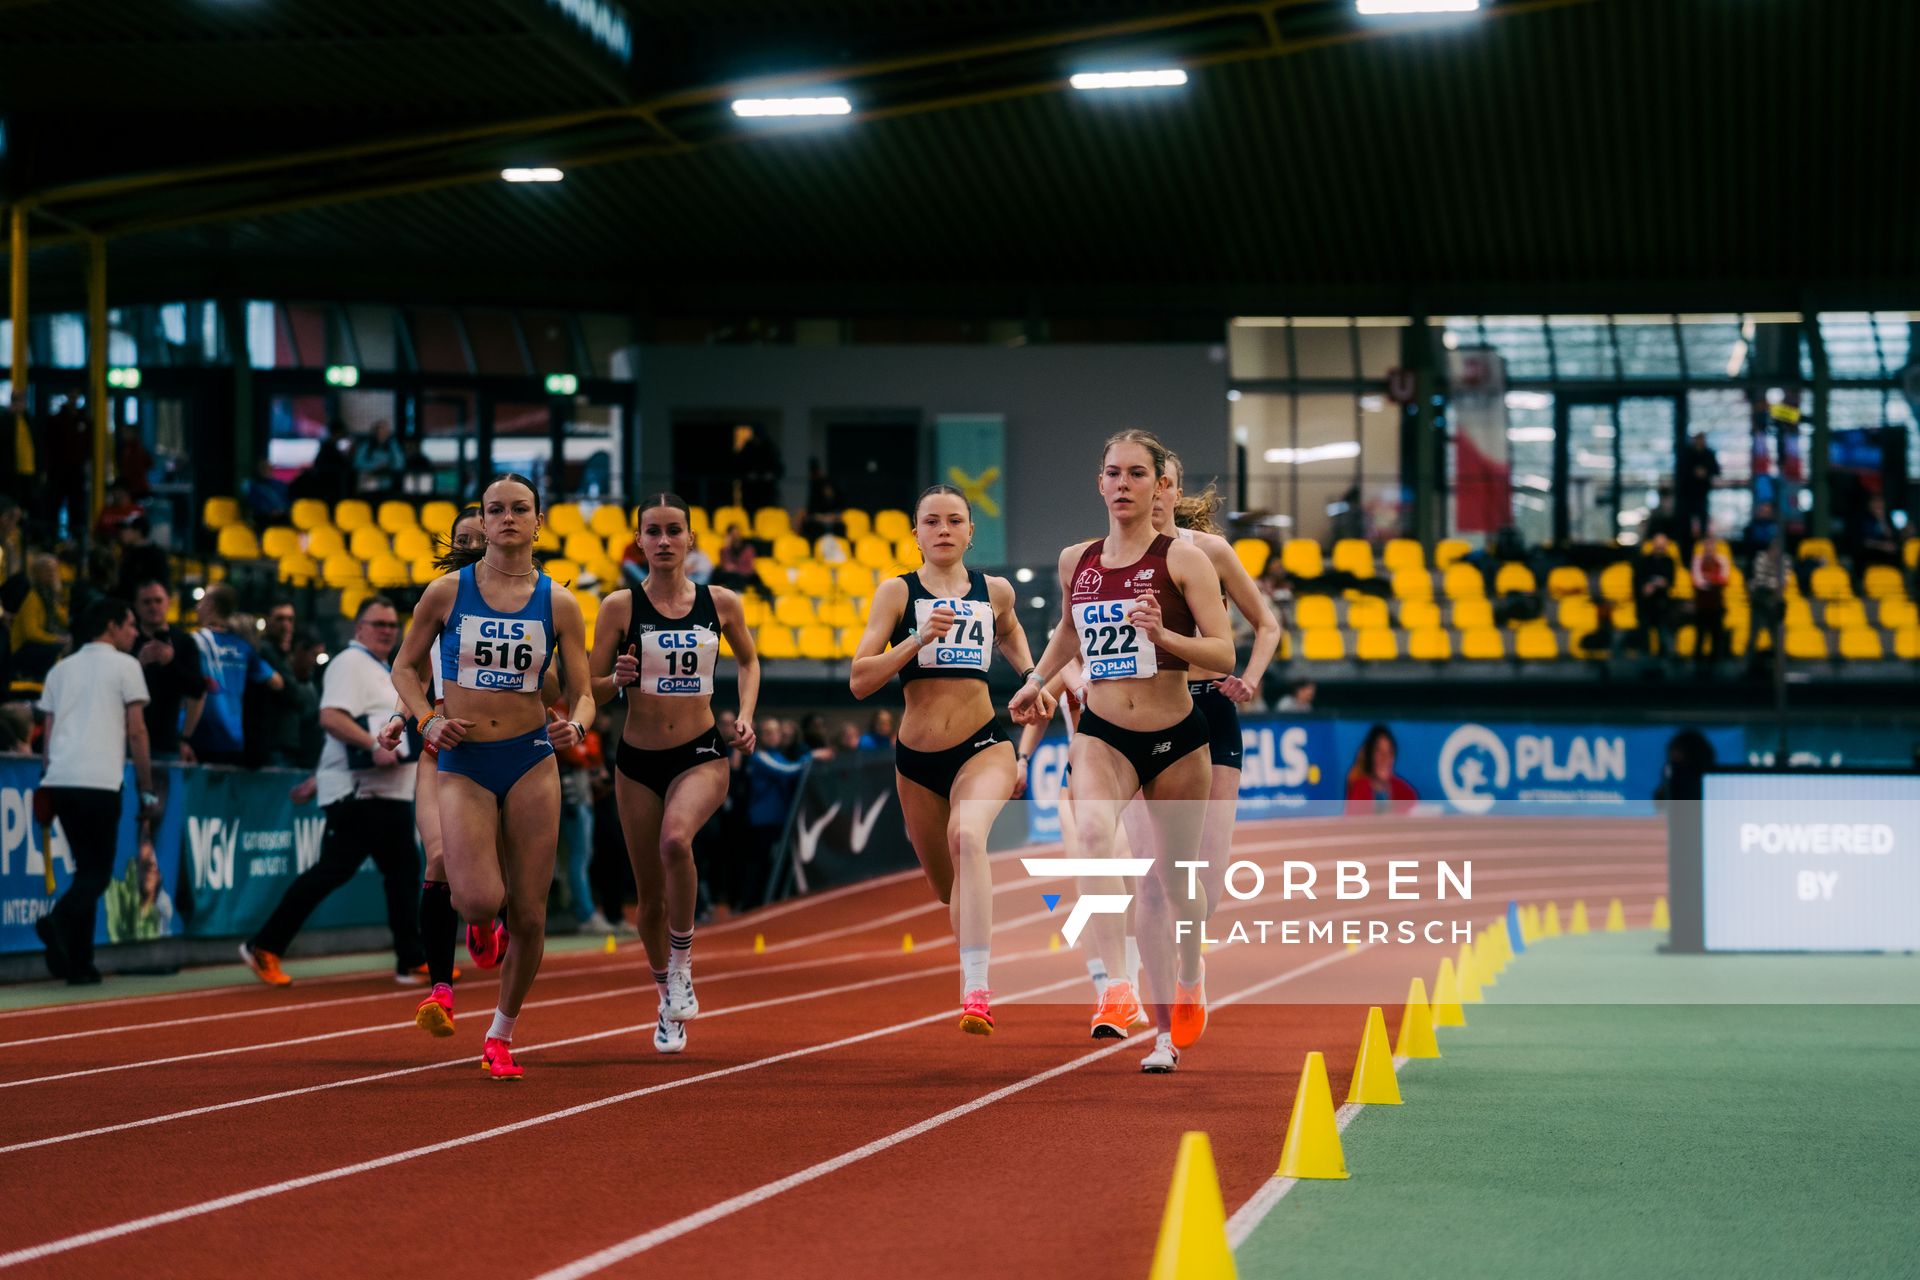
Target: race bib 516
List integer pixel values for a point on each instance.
(502, 654)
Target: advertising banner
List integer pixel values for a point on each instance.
(970, 451)
(847, 825)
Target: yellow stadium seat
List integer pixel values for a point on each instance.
(387, 572)
(563, 571)
(309, 513)
(773, 641)
(369, 543)
(1861, 644)
(907, 552)
(840, 614)
(1830, 582)
(1536, 642)
(351, 597)
(1806, 643)
(794, 611)
(1419, 615)
(1616, 581)
(776, 578)
(437, 517)
(1367, 614)
(617, 544)
(1463, 582)
(1482, 644)
(700, 521)
(583, 547)
(604, 572)
(218, 513)
(874, 552)
(1910, 553)
(351, 513)
(1799, 613)
(424, 570)
(1565, 580)
(849, 638)
(791, 550)
(755, 610)
(892, 525)
(1448, 551)
(1513, 576)
(1906, 643)
(1841, 614)
(393, 516)
(609, 520)
(546, 542)
(589, 605)
(770, 523)
(710, 543)
(725, 518)
(1578, 616)
(238, 543)
(813, 579)
(854, 579)
(413, 543)
(1402, 553)
(565, 519)
(281, 540)
(819, 643)
(1314, 613)
(1354, 556)
(1895, 614)
(1883, 580)
(858, 524)
(1820, 549)
(1472, 615)
(298, 569)
(1625, 616)
(1301, 558)
(342, 570)
(1412, 584)
(1429, 644)
(1375, 644)
(1323, 644)
(1253, 554)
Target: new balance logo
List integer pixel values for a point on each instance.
(1160, 748)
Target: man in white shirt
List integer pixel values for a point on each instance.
(94, 704)
(367, 795)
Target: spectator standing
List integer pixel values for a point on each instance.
(846, 740)
(379, 461)
(1652, 600)
(1874, 539)
(773, 774)
(1693, 489)
(176, 682)
(39, 634)
(756, 460)
(140, 560)
(276, 719)
(119, 508)
(231, 664)
(67, 448)
(366, 793)
(736, 562)
(1709, 606)
(305, 665)
(268, 500)
(578, 765)
(880, 732)
(94, 704)
(331, 475)
(1766, 600)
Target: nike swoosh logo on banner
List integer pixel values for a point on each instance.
(863, 822)
(809, 836)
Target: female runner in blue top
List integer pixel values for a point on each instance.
(499, 624)
(955, 767)
(660, 641)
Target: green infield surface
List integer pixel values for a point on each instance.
(1635, 1138)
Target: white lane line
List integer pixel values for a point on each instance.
(67, 1244)
(706, 1015)
(639, 1244)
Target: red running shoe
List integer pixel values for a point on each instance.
(976, 1013)
(488, 947)
(435, 1014)
(496, 1059)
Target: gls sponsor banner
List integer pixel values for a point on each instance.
(244, 841)
(847, 826)
(1286, 765)
(139, 902)
(1477, 768)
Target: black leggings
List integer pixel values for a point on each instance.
(90, 816)
(356, 828)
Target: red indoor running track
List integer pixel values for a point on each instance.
(827, 1118)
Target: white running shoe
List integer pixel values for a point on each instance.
(596, 923)
(669, 1036)
(1164, 1057)
(681, 1005)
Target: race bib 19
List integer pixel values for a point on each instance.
(502, 655)
(968, 644)
(678, 664)
(1111, 647)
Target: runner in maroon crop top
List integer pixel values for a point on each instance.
(1140, 608)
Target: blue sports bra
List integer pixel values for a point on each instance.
(497, 650)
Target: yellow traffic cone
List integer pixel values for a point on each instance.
(906, 942)
(1053, 943)
(609, 947)
(1373, 1080)
(1466, 971)
(1550, 926)
(1193, 1230)
(759, 944)
(1579, 925)
(1312, 1149)
(1416, 1039)
(1662, 918)
(1446, 997)
(1616, 918)
(1352, 947)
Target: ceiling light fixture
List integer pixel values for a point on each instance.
(766, 108)
(1385, 8)
(532, 175)
(1162, 78)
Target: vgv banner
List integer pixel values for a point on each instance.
(244, 842)
(139, 904)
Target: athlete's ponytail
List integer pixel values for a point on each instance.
(1197, 512)
(449, 556)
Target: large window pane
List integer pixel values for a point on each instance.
(550, 342)
(1323, 349)
(1726, 419)
(1530, 453)
(610, 346)
(1646, 453)
(496, 347)
(373, 338)
(1257, 348)
(438, 343)
(1582, 347)
(1522, 340)
(1714, 346)
(1648, 346)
